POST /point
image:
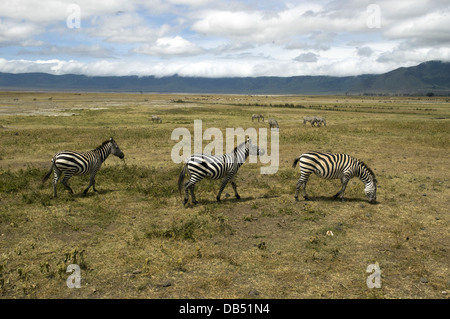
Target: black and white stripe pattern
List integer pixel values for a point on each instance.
(257, 116)
(200, 166)
(75, 163)
(335, 166)
(319, 121)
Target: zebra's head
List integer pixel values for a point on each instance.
(371, 191)
(115, 149)
(254, 149)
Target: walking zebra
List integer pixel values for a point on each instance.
(156, 119)
(273, 123)
(76, 163)
(334, 166)
(319, 121)
(257, 116)
(309, 119)
(202, 166)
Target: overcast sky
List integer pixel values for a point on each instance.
(221, 38)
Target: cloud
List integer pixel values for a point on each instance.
(125, 28)
(217, 38)
(170, 46)
(365, 51)
(307, 57)
(17, 33)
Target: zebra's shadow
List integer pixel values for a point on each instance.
(92, 193)
(332, 199)
(230, 199)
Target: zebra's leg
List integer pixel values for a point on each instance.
(55, 180)
(186, 193)
(189, 186)
(194, 201)
(344, 181)
(91, 183)
(222, 186)
(302, 183)
(64, 182)
(233, 184)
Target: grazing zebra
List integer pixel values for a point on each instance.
(273, 123)
(333, 166)
(76, 163)
(309, 119)
(202, 166)
(319, 121)
(257, 116)
(156, 119)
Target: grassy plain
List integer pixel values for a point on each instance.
(134, 238)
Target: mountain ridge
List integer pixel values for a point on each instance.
(431, 76)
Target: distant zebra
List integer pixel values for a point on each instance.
(257, 116)
(334, 166)
(76, 163)
(273, 123)
(319, 121)
(309, 119)
(156, 119)
(200, 166)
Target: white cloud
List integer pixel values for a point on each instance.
(176, 46)
(217, 38)
(17, 33)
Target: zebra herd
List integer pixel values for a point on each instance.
(314, 120)
(225, 167)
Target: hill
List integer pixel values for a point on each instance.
(432, 76)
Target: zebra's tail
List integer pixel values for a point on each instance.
(181, 178)
(49, 172)
(296, 161)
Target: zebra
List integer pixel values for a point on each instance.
(273, 123)
(319, 121)
(257, 116)
(309, 119)
(75, 163)
(156, 119)
(200, 166)
(334, 166)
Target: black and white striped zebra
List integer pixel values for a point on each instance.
(257, 116)
(335, 166)
(319, 121)
(75, 163)
(273, 124)
(156, 119)
(309, 119)
(200, 166)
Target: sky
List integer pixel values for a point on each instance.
(209, 38)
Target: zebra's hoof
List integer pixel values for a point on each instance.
(296, 199)
(238, 197)
(218, 199)
(194, 202)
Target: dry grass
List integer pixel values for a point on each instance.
(134, 239)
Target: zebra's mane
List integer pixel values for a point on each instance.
(236, 148)
(364, 165)
(103, 144)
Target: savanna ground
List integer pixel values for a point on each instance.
(135, 239)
